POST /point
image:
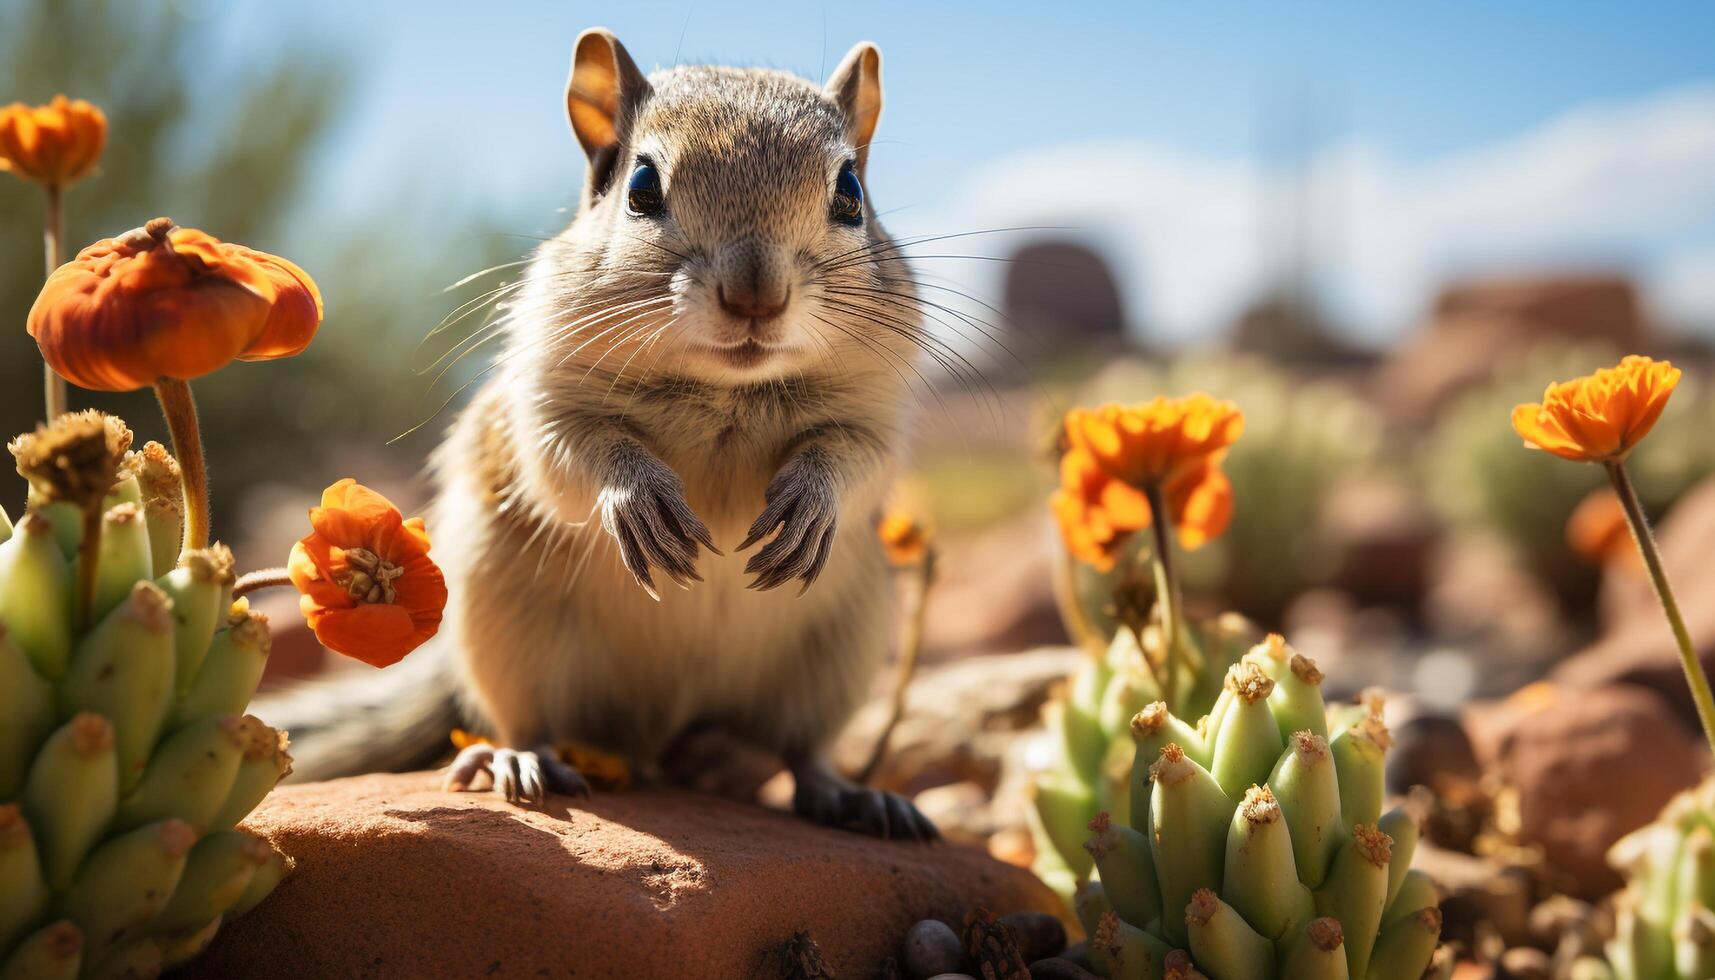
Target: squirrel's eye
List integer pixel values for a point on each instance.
(847, 208)
(643, 192)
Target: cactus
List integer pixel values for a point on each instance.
(1665, 916)
(1093, 752)
(1256, 845)
(125, 758)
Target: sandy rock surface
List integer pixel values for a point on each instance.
(1590, 766)
(398, 879)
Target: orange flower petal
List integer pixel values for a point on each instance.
(374, 612)
(1602, 416)
(168, 302)
(55, 145)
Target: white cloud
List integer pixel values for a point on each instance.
(1629, 184)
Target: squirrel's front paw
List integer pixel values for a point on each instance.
(646, 513)
(801, 502)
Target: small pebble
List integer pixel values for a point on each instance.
(1040, 935)
(1525, 963)
(1056, 968)
(932, 949)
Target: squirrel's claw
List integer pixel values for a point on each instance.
(802, 506)
(655, 528)
(520, 776)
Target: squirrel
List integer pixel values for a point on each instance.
(715, 349)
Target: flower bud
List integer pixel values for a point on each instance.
(190, 775)
(1061, 809)
(123, 559)
(1360, 758)
(1416, 891)
(1222, 942)
(201, 590)
(53, 952)
(1188, 821)
(1125, 952)
(163, 491)
(1259, 877)
(264, 764)
(219, 869)
(1127, 866)
(271, 873)
(26, 716)
(1405, 947)
(23, 892)
(71, 794)
(1356, 892)
(1307, 788)
(35, 595)
(230, 671)
(1248, 742)
(1317, 952)
(1089, 904)
(1297, 698)
(123, 669)
(1152, 729)
(128, 880)
(1401, 826)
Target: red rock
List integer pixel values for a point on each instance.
(1476, 325)
(398, 879)
(1590, 766)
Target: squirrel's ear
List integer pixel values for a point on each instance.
(604, 88)
(855, 87)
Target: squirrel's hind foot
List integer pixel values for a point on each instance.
(820, 796)
(521, 776)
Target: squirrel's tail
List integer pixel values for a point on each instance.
(390, 721)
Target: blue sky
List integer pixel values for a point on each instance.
(461, 103)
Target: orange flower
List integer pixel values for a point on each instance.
(1096, 512)
(1157, 441)
(1600, 417)
(54, 145)
(1597, 529)
(903, 538)
(1115, 452)
(161, 301)
(368, 587)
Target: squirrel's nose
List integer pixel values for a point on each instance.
(750, 303)
(753, 279)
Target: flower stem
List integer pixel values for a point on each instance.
(1695, 678)
(262, 578)
(180, 411)
(910, 646)
(1166, 590)
(1072, 614)
(53, 386)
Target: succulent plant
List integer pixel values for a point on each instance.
(1092, 750)
(1257, 846)
(1665, 916)
(125, 757)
